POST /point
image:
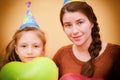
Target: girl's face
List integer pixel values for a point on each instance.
(29, 46)
(77, 27)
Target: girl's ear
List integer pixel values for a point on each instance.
(16, 49)
(43, 51)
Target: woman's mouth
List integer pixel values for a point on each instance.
(77, 38)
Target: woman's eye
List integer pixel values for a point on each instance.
(80, 22)
(67, 25)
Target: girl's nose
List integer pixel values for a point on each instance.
(30, 51)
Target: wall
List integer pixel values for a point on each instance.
(46, 13)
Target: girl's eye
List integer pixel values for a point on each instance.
(36, 46)
(23, 46)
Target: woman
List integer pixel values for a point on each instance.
(88, 55)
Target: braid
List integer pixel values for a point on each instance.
(94, 49)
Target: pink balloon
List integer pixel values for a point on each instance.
(75, 76)
(72, 76)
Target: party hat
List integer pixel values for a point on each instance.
(29, 20)
(67, 1)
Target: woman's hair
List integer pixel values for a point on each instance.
(10, 54)
(95, 46)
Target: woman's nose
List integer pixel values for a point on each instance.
(75, 29)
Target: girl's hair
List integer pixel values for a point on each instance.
(95, 46)
(10, 54)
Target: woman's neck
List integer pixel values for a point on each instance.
(81, 51)
(84, 47)
(81, 54)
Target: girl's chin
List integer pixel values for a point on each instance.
(28, 60)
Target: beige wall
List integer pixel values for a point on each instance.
(46, 13)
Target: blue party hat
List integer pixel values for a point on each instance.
(29, 20)
(67, 1)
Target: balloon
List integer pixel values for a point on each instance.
(75, 76)
(72, 76)
(41, 68)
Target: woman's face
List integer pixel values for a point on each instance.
(77, 27)
(29, 46)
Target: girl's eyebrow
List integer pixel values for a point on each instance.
(40, 43)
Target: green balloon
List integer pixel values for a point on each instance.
(41, 68)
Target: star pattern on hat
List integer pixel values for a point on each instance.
(29, 20)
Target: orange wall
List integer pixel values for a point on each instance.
(46, 13)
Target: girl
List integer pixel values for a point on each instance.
(26, 44)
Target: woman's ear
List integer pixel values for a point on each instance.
(92, 25)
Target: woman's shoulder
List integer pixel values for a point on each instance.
(110, 49)
(61, 51)
(65, 47)
(113, 49)
(114, 46)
